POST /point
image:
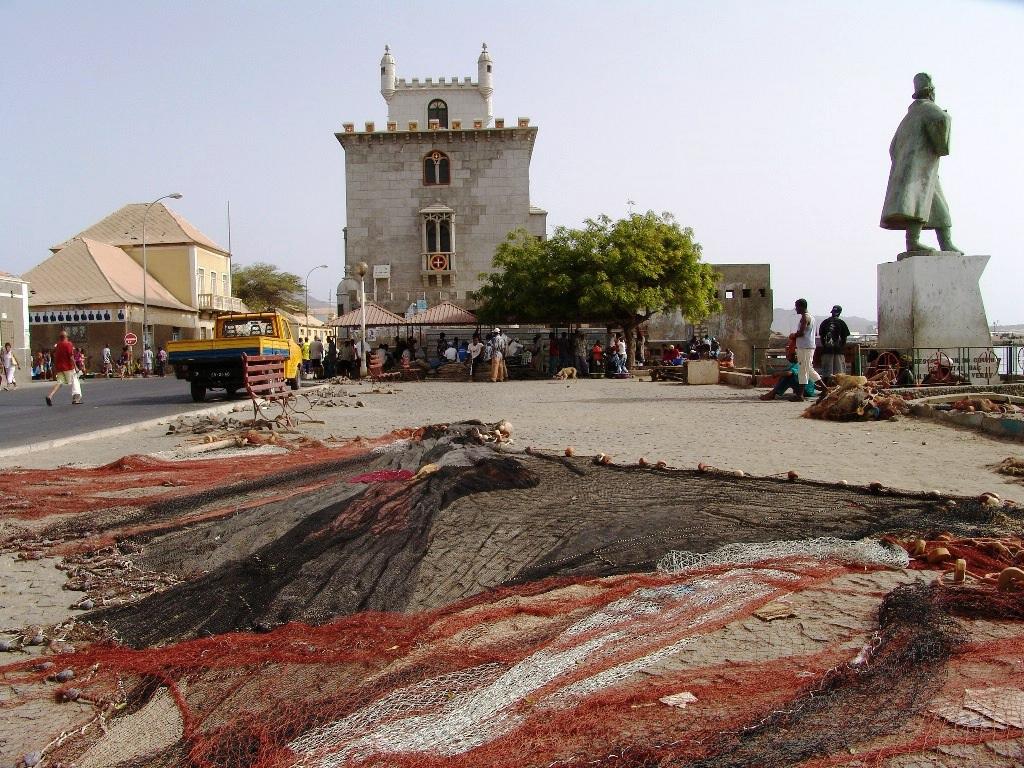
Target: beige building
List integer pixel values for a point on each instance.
(92, 285)
(14, 295)
(430, 197)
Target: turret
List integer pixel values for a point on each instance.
(387, 74)
(485, 78)
(483, 71)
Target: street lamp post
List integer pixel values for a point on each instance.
(314, 269)
(145, 263)
(361, 269)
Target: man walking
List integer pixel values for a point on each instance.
(64, 366)
(834, 333)
(804, 337)
(499, 372)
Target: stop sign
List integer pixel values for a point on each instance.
(130, 339)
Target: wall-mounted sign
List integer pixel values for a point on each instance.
(381, 271)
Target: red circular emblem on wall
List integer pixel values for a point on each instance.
(439, 262)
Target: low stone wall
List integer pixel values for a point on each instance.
(1009, 426)
(735, 378)
(912, 393)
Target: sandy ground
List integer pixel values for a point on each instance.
(682, 425)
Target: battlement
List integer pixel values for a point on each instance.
(415, 126)
(454, 82)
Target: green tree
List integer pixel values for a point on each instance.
(262, 286)
(612, 272)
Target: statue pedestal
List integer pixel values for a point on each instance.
(931, 301)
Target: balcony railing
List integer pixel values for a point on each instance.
(213, 302)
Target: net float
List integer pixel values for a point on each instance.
(918, 547)
(505, 428)
(570, 451)
(876, 487)
(938, 555)
(991, 501)
(959, 570)
(605, 458)
(1011, 579)
(791, 475)
(989, 494)
(642, 461)
(70, 694)
(702, 467)
(661, 465)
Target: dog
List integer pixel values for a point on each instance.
(566, 373)
(845, 381)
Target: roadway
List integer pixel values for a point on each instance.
(25, 418)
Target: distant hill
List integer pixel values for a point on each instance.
(784, 320)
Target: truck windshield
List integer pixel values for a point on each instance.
(233, 328)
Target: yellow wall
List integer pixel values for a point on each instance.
(209, 261)
(169, 265)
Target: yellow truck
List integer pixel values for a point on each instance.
(217, 363)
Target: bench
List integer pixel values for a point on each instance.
(264, 379)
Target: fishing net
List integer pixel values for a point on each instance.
(426, 600)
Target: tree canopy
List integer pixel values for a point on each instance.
(613, 272)
(262, 286)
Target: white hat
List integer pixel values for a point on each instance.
(496, 330)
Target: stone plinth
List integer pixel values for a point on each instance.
(701, 371)
(931, 301)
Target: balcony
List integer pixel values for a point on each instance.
(213, 302)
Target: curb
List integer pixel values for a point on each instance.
(60, 442)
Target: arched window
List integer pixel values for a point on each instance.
(436, 169)
(439, 236)
(438, 110)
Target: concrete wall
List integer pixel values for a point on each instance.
(745, 293)
(489, 193)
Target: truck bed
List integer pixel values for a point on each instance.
(213, 349)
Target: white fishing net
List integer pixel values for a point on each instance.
(454, 713)
(860, 552)
(398, 446)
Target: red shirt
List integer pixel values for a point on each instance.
(63, 356)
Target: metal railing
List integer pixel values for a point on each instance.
(1003, 360)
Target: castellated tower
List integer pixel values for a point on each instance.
(430, 197)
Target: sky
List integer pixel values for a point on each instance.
(763, 125)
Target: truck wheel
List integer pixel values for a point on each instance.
(294, 383)
(198, 393)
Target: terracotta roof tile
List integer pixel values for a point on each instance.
(376, 316)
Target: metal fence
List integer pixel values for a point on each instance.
(1003, 360)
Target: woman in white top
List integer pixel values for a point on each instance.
(10, 366)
